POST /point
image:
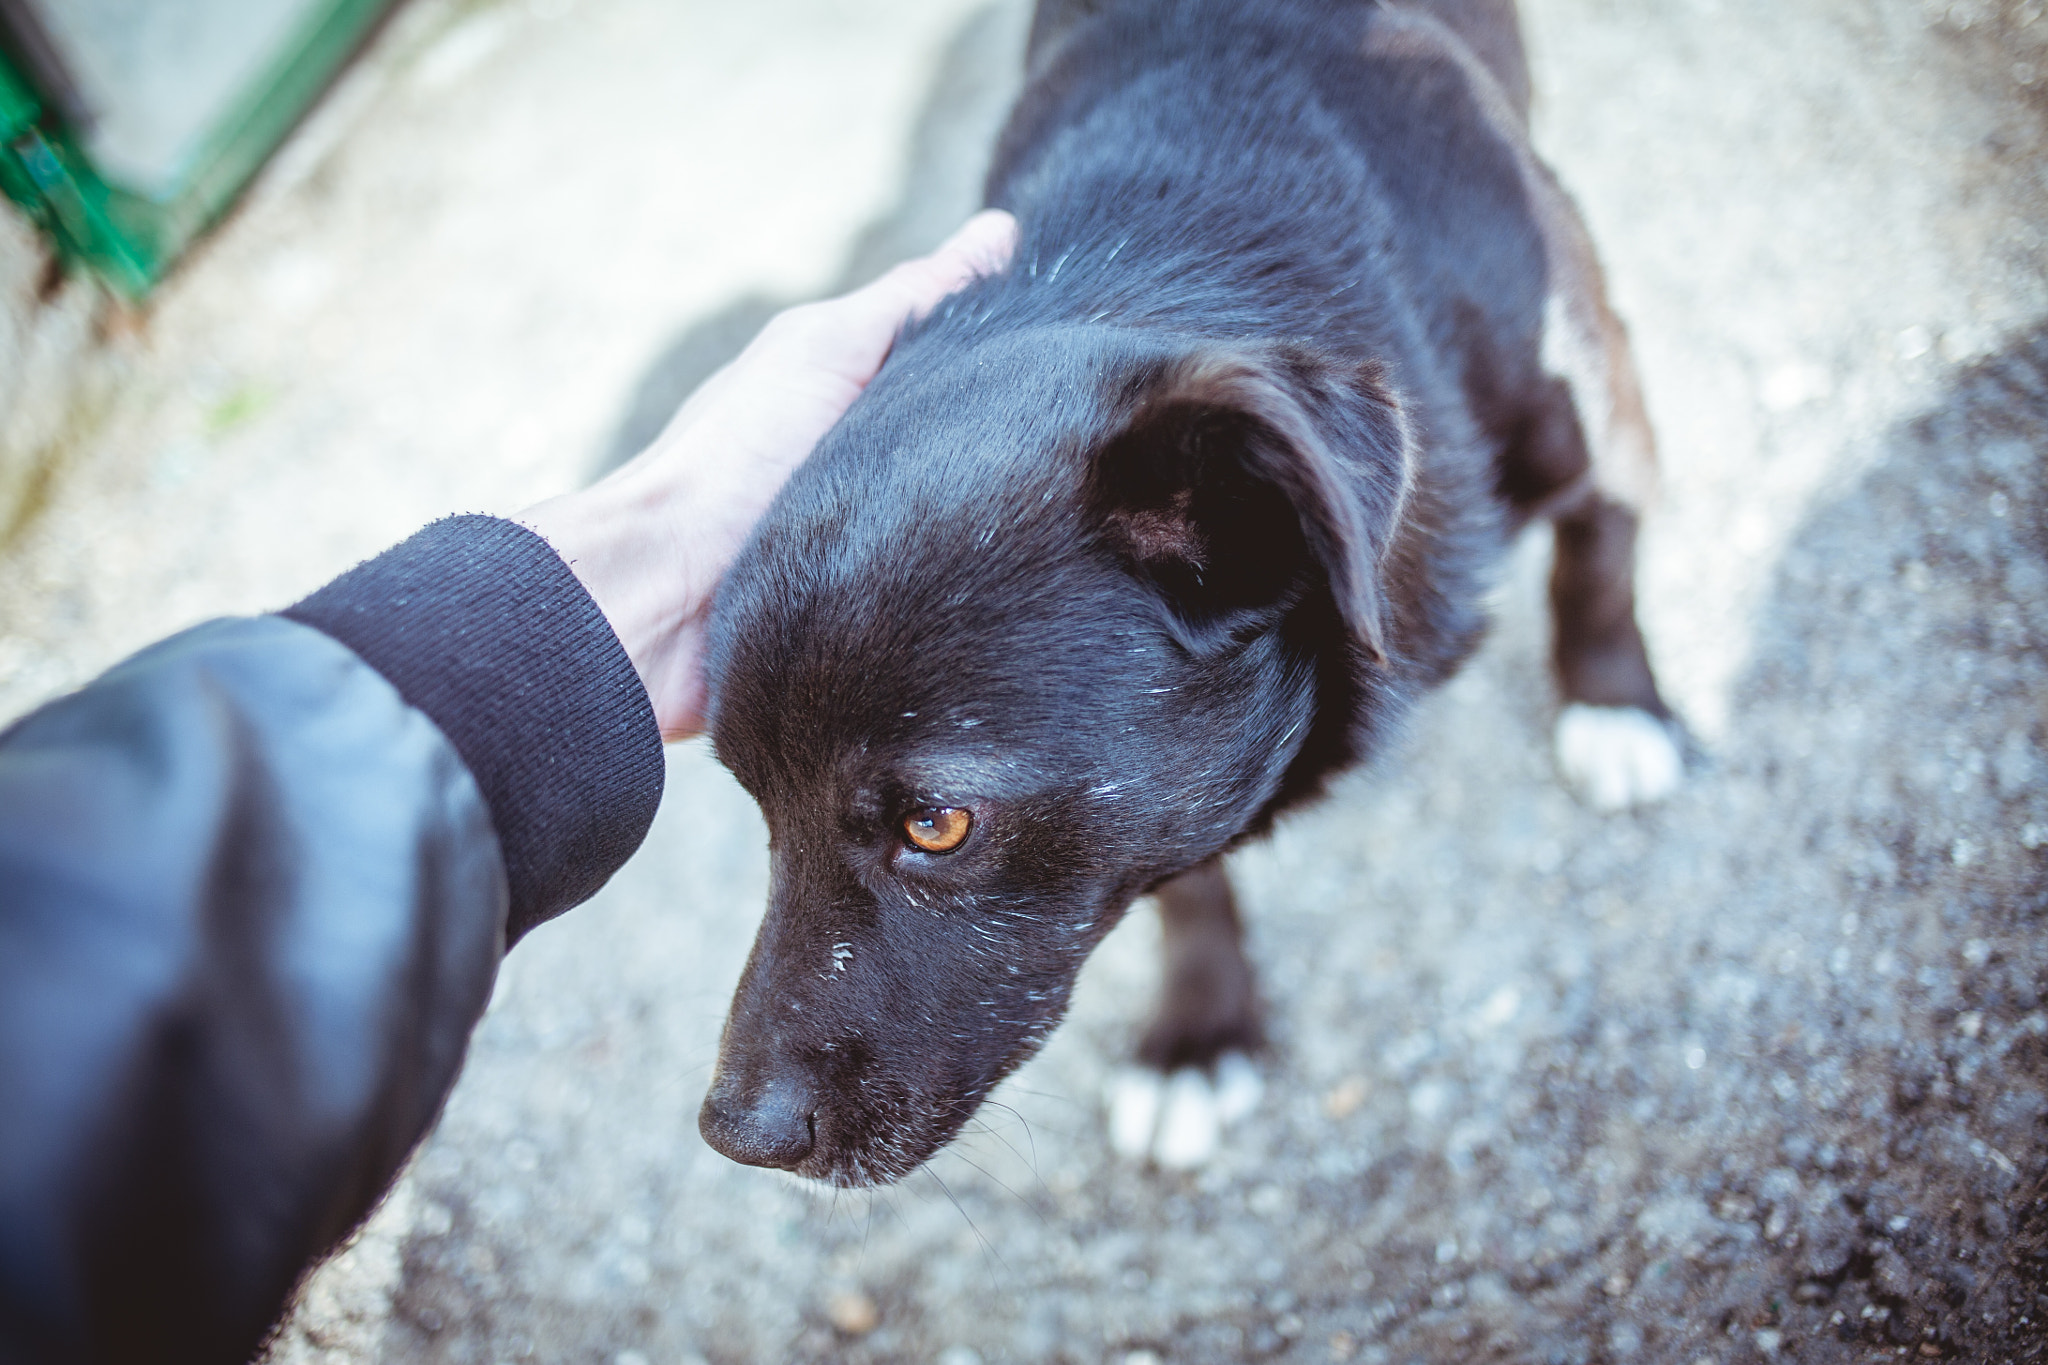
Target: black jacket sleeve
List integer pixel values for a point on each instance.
(255, 883)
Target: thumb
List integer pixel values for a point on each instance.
(849, 337)
(980, 246)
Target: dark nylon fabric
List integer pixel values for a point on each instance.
(253, 895)
(250, 908)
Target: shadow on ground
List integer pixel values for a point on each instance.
(1893, 727)
(974, 83)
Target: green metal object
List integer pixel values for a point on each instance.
(129, 237)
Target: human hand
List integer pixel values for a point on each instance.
(651, 540)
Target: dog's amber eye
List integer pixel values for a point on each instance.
(939, 829)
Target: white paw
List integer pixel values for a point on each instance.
(1134, 1098)
(1178, 1120)
(1617, 756)
(1238, 1087)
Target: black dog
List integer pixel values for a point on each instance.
(1130, 548)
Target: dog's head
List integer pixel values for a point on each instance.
(1043, 622)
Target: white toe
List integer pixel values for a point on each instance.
(1134, 1099)
(1617, 756)
(1238, 1087)
(1189, 1127)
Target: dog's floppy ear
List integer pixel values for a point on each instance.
(1243, 478)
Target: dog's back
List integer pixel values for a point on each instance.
(1487, 28)
(1306, 168)
(1213, 132)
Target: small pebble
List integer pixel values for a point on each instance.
(1267, 1201)
(852, 1313)
(1345, 1098)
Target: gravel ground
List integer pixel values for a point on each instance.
(1756, 1075)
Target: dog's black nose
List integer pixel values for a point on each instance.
(770, 1123)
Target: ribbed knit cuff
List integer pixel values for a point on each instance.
(479, 624)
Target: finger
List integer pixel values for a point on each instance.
(832, 349)
(981, 246)
(860, 327)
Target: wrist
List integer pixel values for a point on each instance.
(623, 539)
(483, 628)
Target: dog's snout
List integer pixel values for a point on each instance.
(769, 1121)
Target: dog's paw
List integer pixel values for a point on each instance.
(1178, 1120)
(1615, 757)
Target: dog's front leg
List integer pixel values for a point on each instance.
(1207, 1003)
(1194, 1075)
(1589, 446)
(1616, 741)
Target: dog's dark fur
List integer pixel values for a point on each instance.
(1131, 547)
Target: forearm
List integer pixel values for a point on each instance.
(253, 906)
(253, 895)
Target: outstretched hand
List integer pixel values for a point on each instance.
(651, 540)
